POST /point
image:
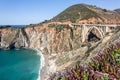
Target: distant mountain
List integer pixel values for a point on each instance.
(87, 13)
(117, 10)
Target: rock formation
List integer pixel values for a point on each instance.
(62, 44)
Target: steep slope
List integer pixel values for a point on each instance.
(117, 10)
(48, 40)
(108, 16)
(74, 13)
(62, 44)
(101, 62)
(82, 12)
(56, 43)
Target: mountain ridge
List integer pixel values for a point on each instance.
(117, 10)
(78, 13)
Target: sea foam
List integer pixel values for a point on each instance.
(42, 62)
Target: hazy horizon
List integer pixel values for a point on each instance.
(24, 12)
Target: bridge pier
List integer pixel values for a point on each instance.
(84, 32)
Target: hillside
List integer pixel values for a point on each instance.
(61, 45)
(100, 63)
(117, 10)
(76, 12)
(82, 12)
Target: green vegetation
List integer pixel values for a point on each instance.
(62, 59)
(7, 26)
(107, 34)
(94, 39)
(104, 66)
(117, 29)
(75, 13)
(105, 10)
(59, 27)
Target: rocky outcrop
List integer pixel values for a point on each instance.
(48, 40)
(13, 38)
(117, 10)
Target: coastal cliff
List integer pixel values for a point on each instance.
(61, 44)
(47, 39)
(51, 41)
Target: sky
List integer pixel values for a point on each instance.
(24, 12)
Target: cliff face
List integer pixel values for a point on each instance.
(13, 38)
(63, 46)
(48, 40)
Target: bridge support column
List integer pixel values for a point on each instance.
(107, 29)
(84, 31)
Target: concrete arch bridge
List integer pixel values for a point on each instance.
(98, 30)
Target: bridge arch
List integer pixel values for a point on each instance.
(94, 32)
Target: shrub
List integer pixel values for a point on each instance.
(104, 10)
(104, 66)
(59, 27)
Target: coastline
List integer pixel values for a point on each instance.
(43, 75)
(38, 53)
(43, 70)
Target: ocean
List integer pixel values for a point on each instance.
(14, 26)
(20, 64)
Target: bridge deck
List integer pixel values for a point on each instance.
(108, 25)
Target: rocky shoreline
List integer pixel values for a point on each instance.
(45, 65)
(44, 71)
(48, 69)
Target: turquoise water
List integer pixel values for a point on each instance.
(19, 65)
